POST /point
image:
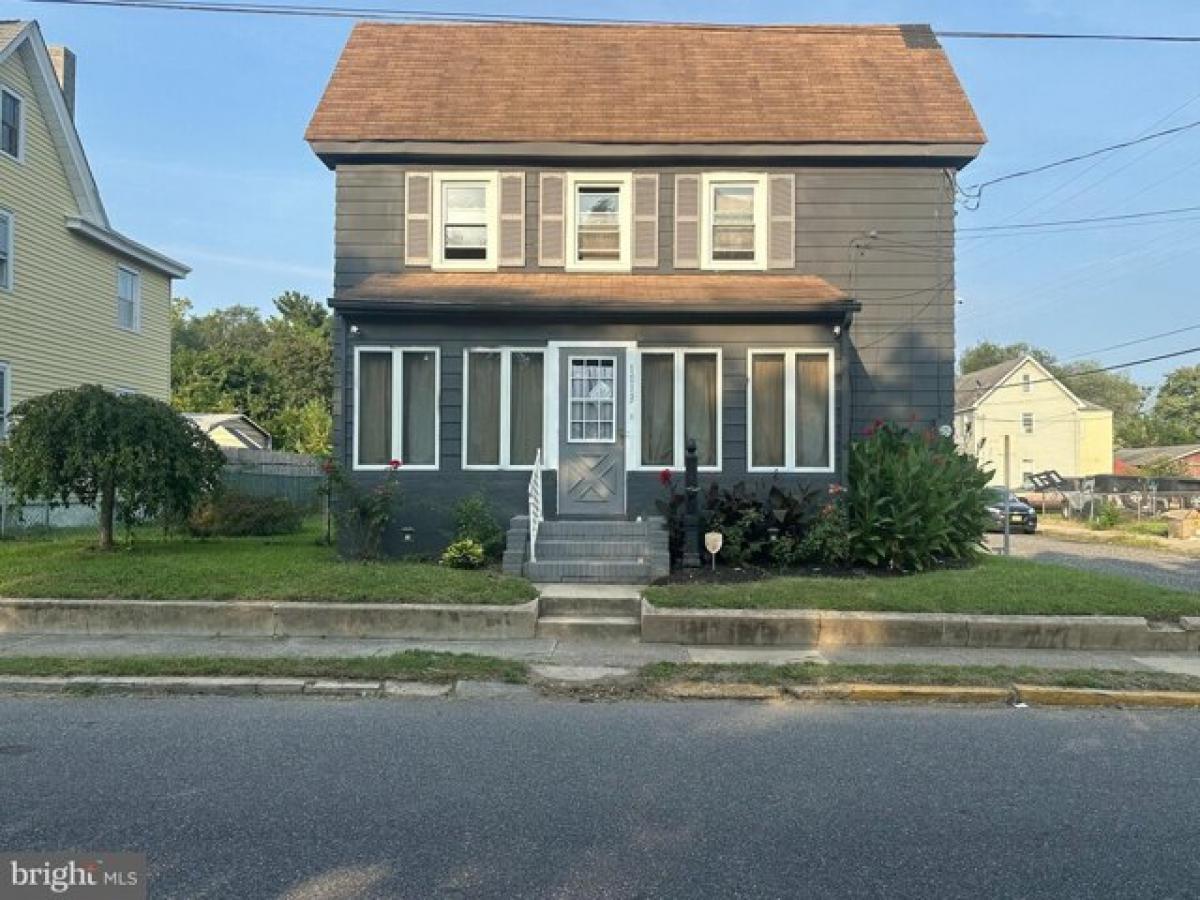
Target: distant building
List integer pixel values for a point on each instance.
(1048, 426)
(1130, 460)
(232, 430)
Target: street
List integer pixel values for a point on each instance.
(258, 798)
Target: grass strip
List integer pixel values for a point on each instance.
(409, 665)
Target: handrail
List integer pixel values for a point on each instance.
(535, 504)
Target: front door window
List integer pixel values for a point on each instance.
(592, 409)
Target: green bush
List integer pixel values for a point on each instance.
(827, 539)
(475, 521)
(464, 554)
(759, 530)
(231, 514)
(914, 500)
(1108, 516)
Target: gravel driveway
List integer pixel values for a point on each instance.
(1165, 569)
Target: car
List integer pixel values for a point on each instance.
(1022, 516)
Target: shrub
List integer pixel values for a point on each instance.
(1108, 516)
(914, 500)
(231, 514)
(363, 514)
(753, 527)
(464, 554)
(475, 521)
(827, 539)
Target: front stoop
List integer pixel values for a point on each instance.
(589, 612)
(590, 552)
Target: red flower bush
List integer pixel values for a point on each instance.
(395, 464)
(664, 477)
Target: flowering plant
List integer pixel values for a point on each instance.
(363, 514)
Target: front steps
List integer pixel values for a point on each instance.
(589, 552)
(601, 612)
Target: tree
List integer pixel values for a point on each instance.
(131, 452)
(1176, 413)
(985, 354)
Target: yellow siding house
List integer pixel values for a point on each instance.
(79, 302)
(1048, 426)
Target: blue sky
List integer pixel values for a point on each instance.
(194, 126)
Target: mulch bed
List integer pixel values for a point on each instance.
(751, 573)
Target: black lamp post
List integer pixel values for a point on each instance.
(691, 510)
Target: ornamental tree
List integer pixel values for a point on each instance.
(128, 452)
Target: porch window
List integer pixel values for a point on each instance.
(396, 415)
(791, 410)
(464, 221)
(681, 399)
(505, 403)
(600, 222)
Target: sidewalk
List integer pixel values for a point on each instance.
(551, 651)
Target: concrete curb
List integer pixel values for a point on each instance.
(203, 618)
(235, 687)
(828, 628)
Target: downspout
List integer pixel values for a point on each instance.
(844, 406)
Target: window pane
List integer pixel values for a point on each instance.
(374, 408)
(733, 222)
(466, 201)
(525, 416)
(658, 409)
(10, 124)
(464, 215)
(465, 242)
(593, 388)
(812, 411)
(598, 223)
(700, 399)
(483, 409)
(5, 252)
(420, 408)
(767, 392)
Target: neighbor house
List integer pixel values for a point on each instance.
(79, 301)
(1048, 427)
(1183, 459)
(232, 430)
(564, 252)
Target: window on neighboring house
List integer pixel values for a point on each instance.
(396, 407)
(1026, 383)
(5, 399)
(7, 227)
(505, 403)
(791, 410)
(1027, 423)
(680, 399)
(1027, 471)
(129, 299)
(600, 222)
(12, 124)
(464, 224)
(734, 235)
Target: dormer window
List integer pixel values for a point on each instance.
(12, 124)
(465, 221)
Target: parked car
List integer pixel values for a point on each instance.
(1022, 516)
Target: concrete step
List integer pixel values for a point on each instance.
(589, 628)
(592, 548)
(615, 529)
(596, 571)
(589, 606)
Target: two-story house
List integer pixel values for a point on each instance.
(80, 303)
(568, 251)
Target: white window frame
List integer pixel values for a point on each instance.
(623, 182)
(5, 398)
(679, 450)
(398, 407)
(548, 396)
(491, 182)
(616, 399)
(758, 181)
(136, 327)
(21, 119)
(9, 250)
(1027, 423)
(789, 409)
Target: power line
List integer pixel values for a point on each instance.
(1083, 221)
(1096, 371)
(1143, 340)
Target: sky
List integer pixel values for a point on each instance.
(193, 124)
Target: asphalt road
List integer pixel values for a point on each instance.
(1168, 570)
(263, 798)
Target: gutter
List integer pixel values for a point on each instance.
(118, 243)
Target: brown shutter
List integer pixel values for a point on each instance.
(552, 220)
(781, 222)
(645, 221)
(512, 218)
(417, 219)
(687, 221)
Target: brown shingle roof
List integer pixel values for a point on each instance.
(596, 291)
(644, 84)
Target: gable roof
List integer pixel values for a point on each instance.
(644, 84)
(92, 222)
(971, 389)
(1138, 456)
(235, 423)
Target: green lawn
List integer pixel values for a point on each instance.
(289, 567)
(997, 585)
(411, 665)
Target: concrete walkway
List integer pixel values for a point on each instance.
(555, 652)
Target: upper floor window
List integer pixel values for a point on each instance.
(1027, 423)
(599, 222)
(396, 407)
(734, 221)
(5, 399)
(791, 410)
(6, 250)
(129, 299)
(465, 221)
(1026, 383)
(12, 124)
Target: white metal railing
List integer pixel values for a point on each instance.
(535, 504)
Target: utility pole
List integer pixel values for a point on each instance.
(1007, 494)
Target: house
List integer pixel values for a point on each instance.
(79, 301)
(232, 430)
(1048, 426)
(1184, 457)
(563, 252)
